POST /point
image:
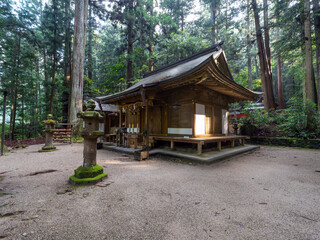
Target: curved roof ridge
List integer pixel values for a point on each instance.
(186, 59)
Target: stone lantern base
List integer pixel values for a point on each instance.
(87, 175)
(47, 149)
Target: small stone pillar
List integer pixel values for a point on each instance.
(49, 130)
(89, 172)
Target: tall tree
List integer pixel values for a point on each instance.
(214, 9)
(309, 82)
(267, 33)
(67, 60)
(76, 94)
(266, 77)
(280, 83)
(54, 52)
(249, 47)
(124, 13)
(316, 13)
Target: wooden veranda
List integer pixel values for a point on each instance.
(200, 141)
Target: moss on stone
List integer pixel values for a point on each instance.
(88, 172)
(90, 114)
(91, 133)
(87, 175)
(47, 149)
(74, 180)
(97, 133)
(49, 122)
(50, 130)
(51, 150)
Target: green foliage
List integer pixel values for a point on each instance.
(301, 120)
(77, 139)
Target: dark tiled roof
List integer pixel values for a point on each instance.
(171, 71)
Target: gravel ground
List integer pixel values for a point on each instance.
(272, 193)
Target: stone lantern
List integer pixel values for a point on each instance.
(89, 172)
(49, 130)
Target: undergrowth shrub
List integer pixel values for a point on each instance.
(301, 120)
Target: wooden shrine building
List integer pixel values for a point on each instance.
(186, 101)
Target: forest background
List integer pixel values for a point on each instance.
(271, 46)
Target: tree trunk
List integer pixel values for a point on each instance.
(316, 12)
(266, 33)
(249, 47)
(182, 19)
(257, 72)
(54, 55)
(80, 22)
(266, 78)
(22, 117)
(90, 26)
(309, 83)
(13, 113)
(15, 92)
(213, 7)
(46, 81)
(130, 52)
(53, 75)
(66, 61)
(150, 32)
(280, 83)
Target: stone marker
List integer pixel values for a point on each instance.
(89, 172)
(49, 130)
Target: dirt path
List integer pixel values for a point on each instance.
(272, 193)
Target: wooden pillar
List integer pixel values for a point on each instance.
(164, 118)
(125, 117)
(219, 145)
(232, 143)
(109, 123)
(146, 124)
(200, 147)
(120, 116)
(172, 145)
(138, 120)
(212, 119)
(105, 123)
(194, 118)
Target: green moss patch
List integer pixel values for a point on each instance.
(88, 114)
(87, 175)
(91, 133)
(50, 130)
(88, 172)
(47, 149)
(78, 181)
